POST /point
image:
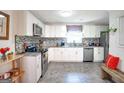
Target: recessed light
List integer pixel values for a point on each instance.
(65, 13)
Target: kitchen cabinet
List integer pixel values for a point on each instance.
(31, 64)
(89, 31)
(60, 31)
(79, 54)
(98, 54)
(93, 31)
(100, 29)
(58, 54)
(66, 54)
(50, 54)
(55, 30)
(49, 31)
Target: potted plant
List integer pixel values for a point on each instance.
(3, 52)
(10, 55)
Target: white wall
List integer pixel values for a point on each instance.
(20, 22)
(24, 22)
(29, 22)
(115, 49)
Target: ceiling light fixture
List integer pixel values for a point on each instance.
(65, 13)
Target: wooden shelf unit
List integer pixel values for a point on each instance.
(15, 78)
(14, 61)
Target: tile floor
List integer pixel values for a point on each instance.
(73, 72)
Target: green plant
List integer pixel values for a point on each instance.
(10, 53)
(112, 29)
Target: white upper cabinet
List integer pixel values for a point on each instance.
(88, 31)
(49, 31)
(60, 30)
(55, 31)
(92, 31)
(100, 29)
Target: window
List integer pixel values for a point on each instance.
(74, 34)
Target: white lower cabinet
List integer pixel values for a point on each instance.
(31, 64)
(50, 54)
(98, 54)
(65, 54)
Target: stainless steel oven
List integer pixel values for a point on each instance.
(44, 64)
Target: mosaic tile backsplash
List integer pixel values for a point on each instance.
(35, 41)
(20, 41)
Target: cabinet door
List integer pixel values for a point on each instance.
(65, 54)
(30, 67)
(49, 31)
(60, 30)
(72, 54)
(101, 53)
(38, 66)
(86, 31)
(98, 54)
(92, 31)
(99, 29)
(58, 54)
(79, 54)
(89, 31)
(52, 31)
(50, 54)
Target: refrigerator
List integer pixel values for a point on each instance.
(104, 41)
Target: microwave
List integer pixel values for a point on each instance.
(37, 30)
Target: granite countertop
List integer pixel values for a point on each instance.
(74, 46)
(91, 46)
(32, 53)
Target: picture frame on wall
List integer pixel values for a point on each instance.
(121, 31)
(4, 26)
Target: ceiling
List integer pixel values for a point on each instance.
(97, 17)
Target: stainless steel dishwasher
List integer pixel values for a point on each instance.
(88, 55)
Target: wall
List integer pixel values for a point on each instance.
(29, 22)
(20, 22)
(115, 49)
(24, 22)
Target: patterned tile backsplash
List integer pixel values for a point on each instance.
(91, 41)
(20, 42)
(35, 41)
